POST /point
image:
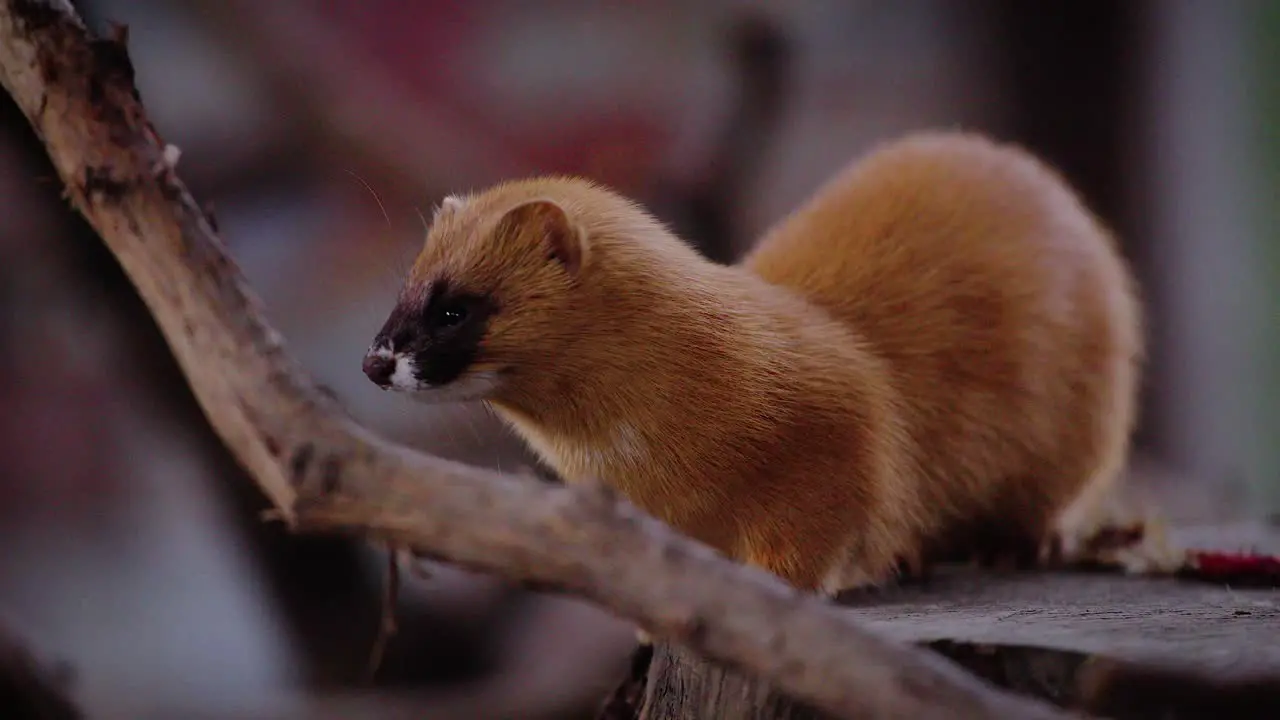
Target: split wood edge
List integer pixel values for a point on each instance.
(326, 473)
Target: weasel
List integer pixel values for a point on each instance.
(939, 349)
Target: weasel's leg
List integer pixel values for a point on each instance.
(863, 571)
(806, 558)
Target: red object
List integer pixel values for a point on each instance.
(1238, 567)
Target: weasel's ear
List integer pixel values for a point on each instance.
(548, 223)
(450, 204)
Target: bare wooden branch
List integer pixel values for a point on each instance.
(327, 473)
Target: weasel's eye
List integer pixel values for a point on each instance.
(451, 316)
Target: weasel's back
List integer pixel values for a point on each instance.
(1000, 302)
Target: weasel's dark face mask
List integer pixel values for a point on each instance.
(431, 345)
(485, 300)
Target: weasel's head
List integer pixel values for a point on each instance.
(491, 294)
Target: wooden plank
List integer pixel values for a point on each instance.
(1118, 646)
(1122, 617)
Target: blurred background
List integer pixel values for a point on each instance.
(130, 544)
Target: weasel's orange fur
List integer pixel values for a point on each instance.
(942, 346)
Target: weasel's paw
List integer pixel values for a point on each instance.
(852, 577)
(1139, 546)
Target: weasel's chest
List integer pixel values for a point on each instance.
(611, 457)
(674, 487)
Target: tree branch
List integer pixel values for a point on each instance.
(325, 472)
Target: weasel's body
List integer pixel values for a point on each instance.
(941, 345)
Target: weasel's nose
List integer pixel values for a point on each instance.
(379, 369)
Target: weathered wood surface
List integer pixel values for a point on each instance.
(1126, 647)
(1136, 619)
